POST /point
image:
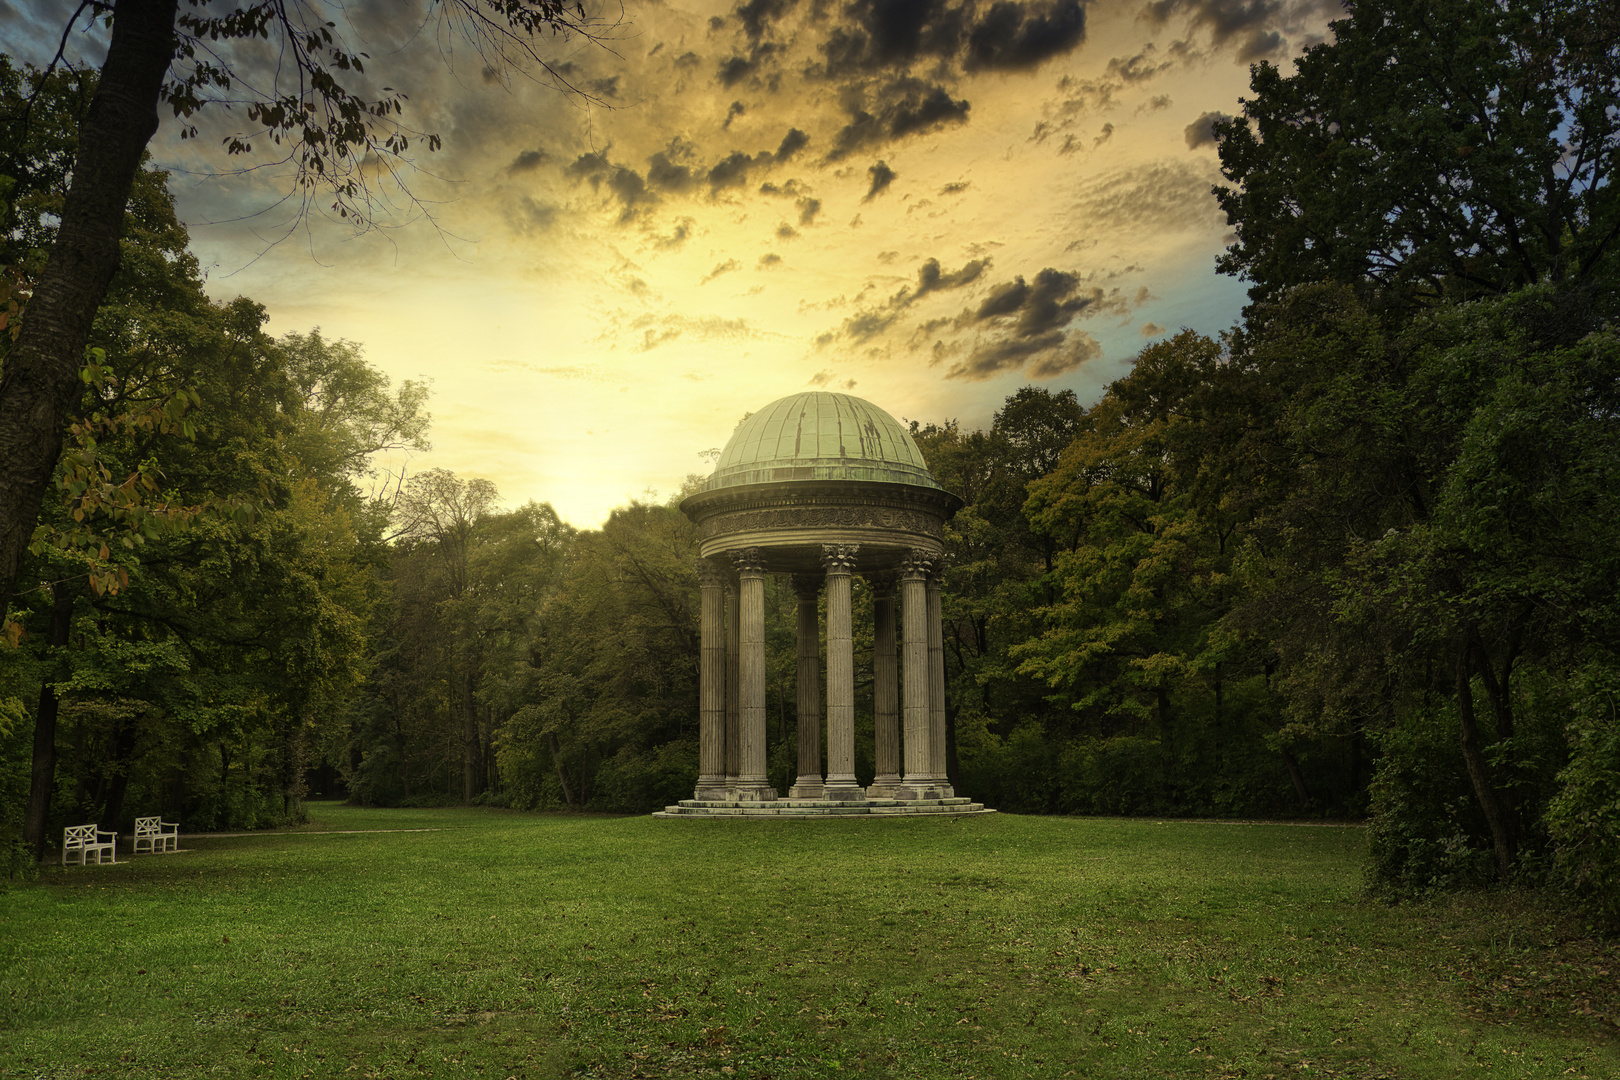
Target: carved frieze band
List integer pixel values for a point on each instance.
(839, 558)
(824, 517)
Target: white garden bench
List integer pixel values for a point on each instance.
(83, 841)
(158, 835)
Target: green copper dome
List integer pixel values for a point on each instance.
(820, 436)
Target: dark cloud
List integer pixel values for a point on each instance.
(757, 16)
(808, 209)
(934, 109)
(734, 70)
(605, 88)
(737, 109)
(688, 60)
(1139, 68)
(905, 106)
(732, 170)
(956, 188)
(882, 176)
(1250, 28)
(1022, 322)
(930, 278)
(1201, 132)
(1047, 356)
(769, 259)
(1018, 37)
(625, 185)
(794, 141)
(667, 175)
(528, 161)
(1103, 136)
(1001, 36)
(1156, 103)
(785, 231)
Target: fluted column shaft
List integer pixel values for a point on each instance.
(839, 559)
(936, 680)
(751, 779)
(711, 684)
(807, 587)
(885, 688)
(733, 644)
(916, 679)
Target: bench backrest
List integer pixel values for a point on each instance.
(148, 826)
(76, 836)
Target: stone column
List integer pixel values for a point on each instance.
(918, 782)
(712, 684)
(885, 690)
(936, 680)
(808, 786)
(839, 559)
(752, 784)
(733, 746)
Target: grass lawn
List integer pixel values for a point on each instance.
(512, 945)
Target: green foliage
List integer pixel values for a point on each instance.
(1442, 149)
(1584, 816)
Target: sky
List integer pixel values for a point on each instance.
(606, 266)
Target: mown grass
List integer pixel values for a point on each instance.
(508, 945)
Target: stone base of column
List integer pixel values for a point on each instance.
(883, 787)
(807, 787)
(710, 788)
(751, 793)
(921, 788)
(843, 791)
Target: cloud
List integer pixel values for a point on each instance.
(931, 278)
(808, 209)
(906, 106)
(955, 188)
(785, 231)
(1003, 36)
(1251, 29)
(528, 161)
(1201, 132)
(769, 259)
(723, 268)
(737, 109)
(1023, 324)
(1053, 354)
(1139, 68)
(794, 141)
(882, 176)
(1151, 329)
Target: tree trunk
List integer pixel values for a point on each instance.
(44, 772)
(470, 744)
(40, 382)
(1474, 758)
(562, 774)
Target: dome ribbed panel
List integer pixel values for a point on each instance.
(820, 436)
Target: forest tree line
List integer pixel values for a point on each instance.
(1354, 558)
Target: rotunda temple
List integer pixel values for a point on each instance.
(821, 487)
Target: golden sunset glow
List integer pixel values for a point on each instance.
(926, 205)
